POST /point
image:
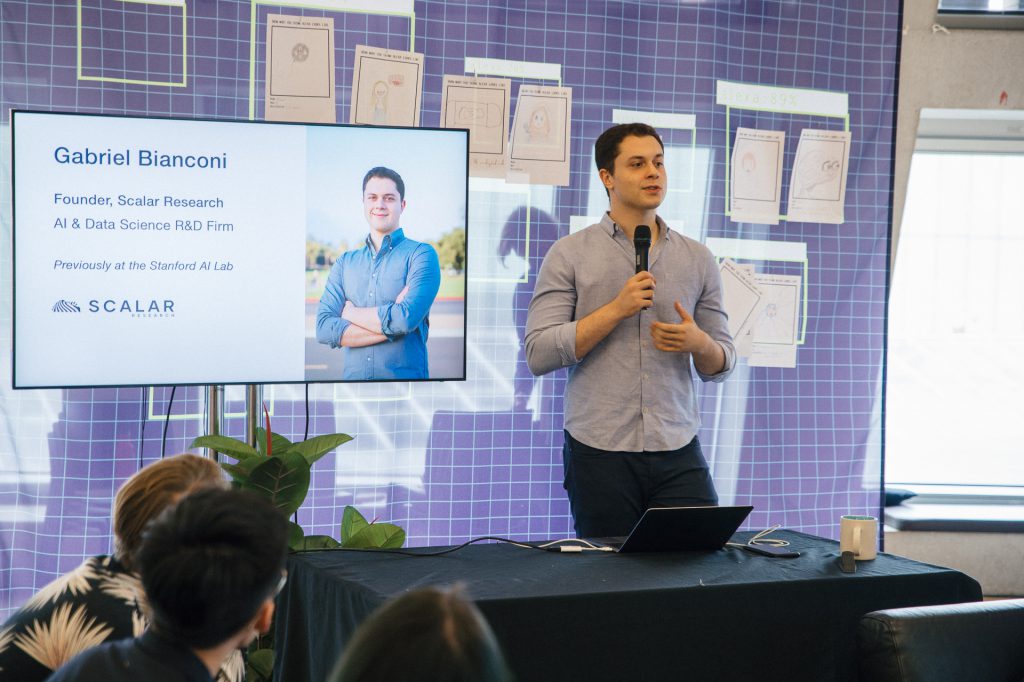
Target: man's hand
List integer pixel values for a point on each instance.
(687, 337)
(637, 294)
(367, 317)
(684, 337)
(355, 336)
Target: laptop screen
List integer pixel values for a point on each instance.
(671, 529)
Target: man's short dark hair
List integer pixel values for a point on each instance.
(425, 635)
(387, 173)
(606, 149)
(209, 562)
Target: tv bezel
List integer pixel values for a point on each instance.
(14, 232)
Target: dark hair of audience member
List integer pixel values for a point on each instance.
(427, 635)
(210, 562)
(150, 491)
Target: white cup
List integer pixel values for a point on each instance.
(859, 534)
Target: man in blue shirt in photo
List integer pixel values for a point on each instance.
(377, 299)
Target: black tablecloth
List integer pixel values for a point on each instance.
(710, 615)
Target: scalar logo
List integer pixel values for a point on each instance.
(65, 306)
(134, 307)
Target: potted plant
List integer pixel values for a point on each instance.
(279, 470)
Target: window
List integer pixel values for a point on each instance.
(956, 316)
(996, 14)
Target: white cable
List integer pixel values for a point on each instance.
(581, 546)
(760, 538)
(580, 541)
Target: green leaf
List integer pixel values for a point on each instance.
(261, 662)
(236, 472)
(283, 479)
(281, 442)
(318, 446)
(381, 535)
(295, 535)
(352, 522)
(270, 449)
(240, 472)
(278, 443)
(232, 447)
(317, 542)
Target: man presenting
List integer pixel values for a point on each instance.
(628, 339)
(377, 299)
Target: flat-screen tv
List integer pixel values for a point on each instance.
(158, 251)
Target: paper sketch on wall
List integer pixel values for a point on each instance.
(539, 149)
(386, 87)
(756, 178)
(743, 301)
(775, 331)
(481, 105)
(300, 69)
(817, 186)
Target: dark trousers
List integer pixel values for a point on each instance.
(609, 491)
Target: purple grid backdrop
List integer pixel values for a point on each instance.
(803, 433)
(132, 42)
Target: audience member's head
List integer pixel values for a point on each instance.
(430, 634)
(153, 489)
(211, 566)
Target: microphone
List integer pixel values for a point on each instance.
(642, 244)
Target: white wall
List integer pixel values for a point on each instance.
(951, 69)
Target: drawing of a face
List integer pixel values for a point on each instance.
(818, 168)
(300, 52)
(469, 113)
(538, 125)
(380, 92)
(748, 163)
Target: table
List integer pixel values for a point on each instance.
(706, 615)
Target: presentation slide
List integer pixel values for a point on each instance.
(165, 251)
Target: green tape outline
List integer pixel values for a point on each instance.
(728, 136)
(805, 286)
(529, 193)
(133, 81)
(526, 250)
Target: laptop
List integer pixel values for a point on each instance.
(673, 529)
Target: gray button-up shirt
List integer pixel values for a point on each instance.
(625, 395)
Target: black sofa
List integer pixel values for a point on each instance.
(981, 641)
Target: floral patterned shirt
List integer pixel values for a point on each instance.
(97, 602)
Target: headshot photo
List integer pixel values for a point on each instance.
(385, 254)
